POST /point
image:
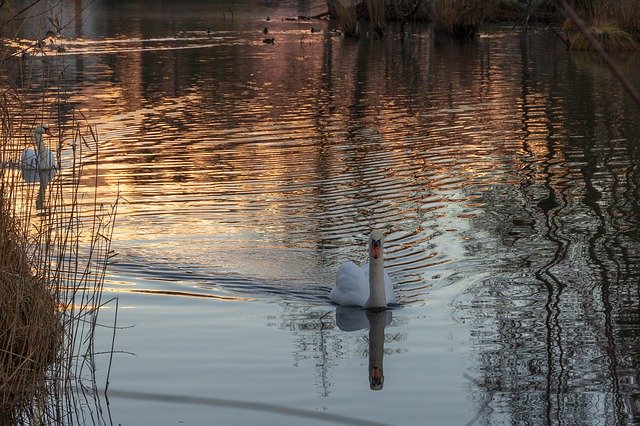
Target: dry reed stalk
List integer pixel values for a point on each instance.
(610, 37)
(612, 24)
(458, 18)
(627, 14)
(623, 13)
(51, 279)
(377, 16)
(347, 17)
(55, 248)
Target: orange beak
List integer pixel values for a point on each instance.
(376, 249)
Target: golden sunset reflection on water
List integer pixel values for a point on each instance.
(248, 172)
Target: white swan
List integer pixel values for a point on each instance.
(40, 158)
(368, 286)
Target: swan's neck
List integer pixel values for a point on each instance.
(40, 148)
(377, 296)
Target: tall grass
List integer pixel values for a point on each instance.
(346, 15)
(615, 24)
(458, 18)
(624, 14)
(55, 241)
(31, 331)
(377, 16)
(609, 36)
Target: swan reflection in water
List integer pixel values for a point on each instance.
(42, 177)
(353, 319)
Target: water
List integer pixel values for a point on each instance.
(503, 170)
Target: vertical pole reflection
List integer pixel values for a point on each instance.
(550, 204)
(554, 289)
(600, 248)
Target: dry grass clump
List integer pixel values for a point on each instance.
(615, 24)
(53, 258)
(31, 331)
(377, 16)
(623, 14)
(506, 10)
(399, 10)
(54, 242)
(350, 13)
(610, 37)
(460, 18)
(346, 14)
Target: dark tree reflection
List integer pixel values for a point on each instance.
(558, 334)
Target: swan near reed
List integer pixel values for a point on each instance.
(40, 158)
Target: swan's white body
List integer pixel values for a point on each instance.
(40, 158)
(368, 286)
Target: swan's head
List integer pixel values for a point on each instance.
(376, 378)
(43, 128)
(376, 238)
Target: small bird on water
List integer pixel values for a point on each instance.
(265, 31)
(269, 40)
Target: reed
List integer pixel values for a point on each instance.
(460, 18)
(31, 328)
(377, 16)
(615, 24)
(345, 12)
(623, 14)
(610, 37)
(51, 276)
(55, 239)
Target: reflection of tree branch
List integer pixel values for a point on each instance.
(485, 404)
(600, 237)
(312, 327)
(324, 365)
(574, 345)
(551, 206)
(241, 405)
(569, 12)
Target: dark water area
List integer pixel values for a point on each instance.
(504, 171)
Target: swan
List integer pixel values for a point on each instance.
(368, 286)
(40, 158)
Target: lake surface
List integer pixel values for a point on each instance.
(504, 171)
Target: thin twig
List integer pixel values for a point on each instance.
(113, 343)
(561, 36)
